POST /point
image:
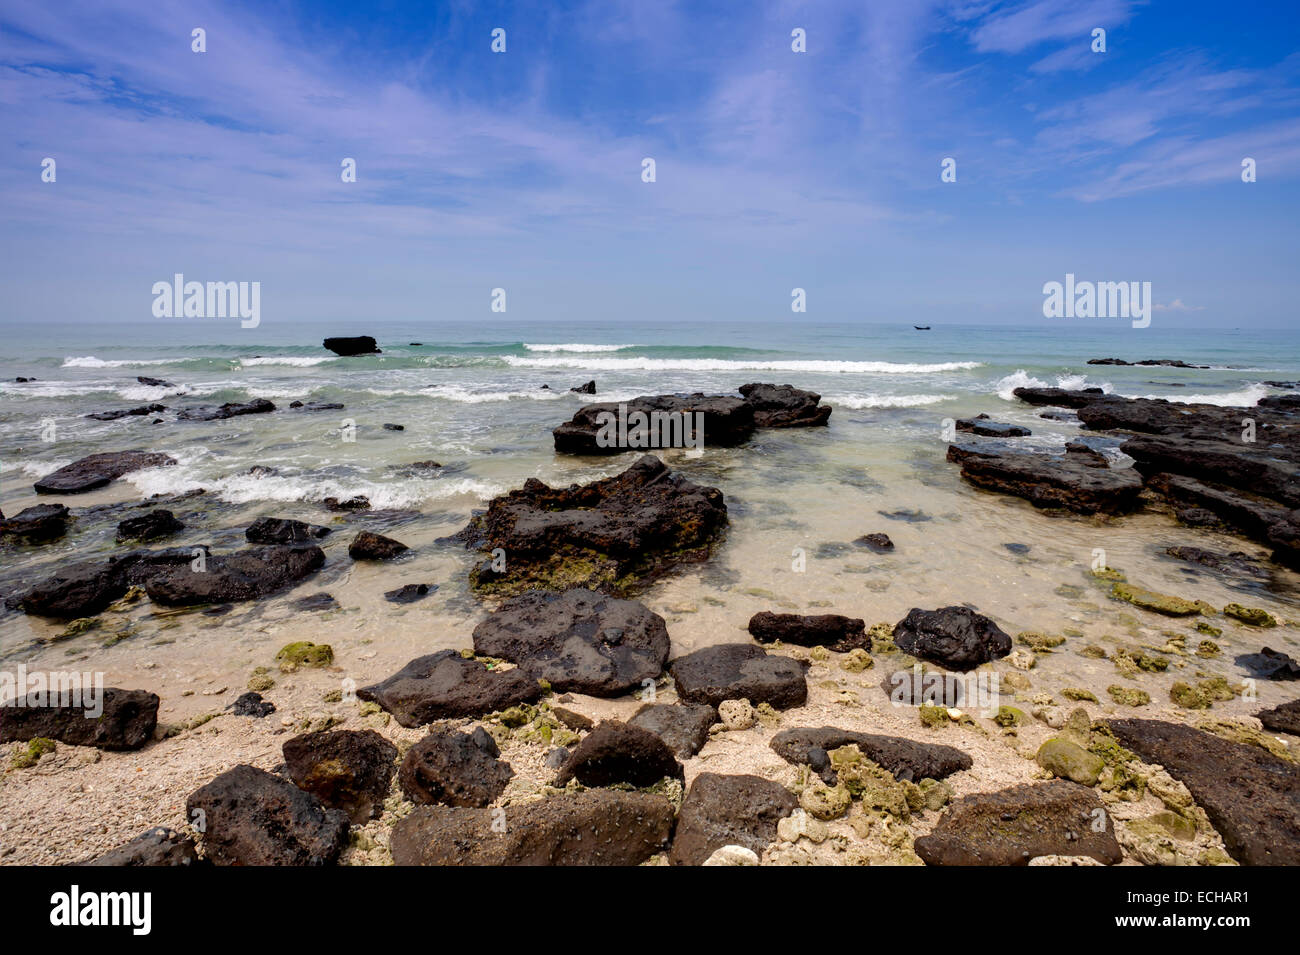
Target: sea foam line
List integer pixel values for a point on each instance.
(719, 364)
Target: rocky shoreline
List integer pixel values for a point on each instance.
(570, 728)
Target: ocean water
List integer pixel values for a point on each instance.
(471, 397)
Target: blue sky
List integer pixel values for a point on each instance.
(775, 169)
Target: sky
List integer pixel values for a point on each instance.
(774, 169)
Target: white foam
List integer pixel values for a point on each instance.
(90, 361)
(294, 361)
(1245, 398)
(1017, 379)
(720, 364)
(465, 396)
(883, 401)
(576, 348)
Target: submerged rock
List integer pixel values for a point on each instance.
(278, 530)
(243, 575)
(409, 593)
(445, 685)
(371, 546)
(733, 671)
(578, 641)
(832, 631)
(127, 720)
(616, 753)
(983, 425)
(231, 409)
(96, 470)
(723, 811)
(127, 412)
(37, 524)
(351, 770)
(956, 638)
(455, 769)
(152, 526)
(1046, 481)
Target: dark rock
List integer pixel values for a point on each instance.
(1237, 562)
(455, 769)
(358, 503)
(1059, 416)
(1282, 719)
(573, 720)
(1251, 796)
(830, 630)
(578, 641)
(351, 770)
(1263, 472)
(371, 546)
(231, 409)
(588, 389)
(39, 523)
(613, 535)
(410, 593)
(910, 516)
(1018, 549)
(598, 827)
(993, 429)
(152, 526)
(1015, 825)
(1167, 362)
(616, 753)
(251, 704)
(445, 685)
(356, 345)
(156, 847)
(1270, 664)
(956, 638)
(127, 721)
(127, 412)
(1089, 456)
(916, 687)
(317, 406)
(784, 406)
(684, 727)
(1060, 397)
(1047, 481)
(728, 811)
(154, 382)
(97, 470)
(902, 757)
(320, 601)
(880, 543)
(247, 574)
(732, 671)
(594, 429)
(249, 817)
(279, 530)
(394, 427)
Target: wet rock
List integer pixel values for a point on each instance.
(152, 526)
(247, 574)
(231, 409)
(1020, 550)
(599, 827)
(445, 685)
(1015, 825)
(127, 720)
(733, 671)
(684, 727)
(956, 638)
(1166, 362)
(1060, 397)
(355, 345)
(616, 753)
(127, 412)
(1282, 719)
(370, 546)
(394, 427)
(880, 543)
(1250, 796)
(906, 759)
(250, 817)
(613, 535)
(351, 770)
(252, 704)
(96, 470)
(723, 811)
(278, 530)
(1066, 759)
(455, 769)
(588, 389)
(156, 847)
(983, 425)
(832, 631)
(37, 524)
(784, 406)
(1235, 563)
(1047, 481)
(578, 641)
(320, 601)
(311, 406)
(655, 421)
(409, 593)
(358, 503)
(1090, 456)
(910, 516)
(154, 382)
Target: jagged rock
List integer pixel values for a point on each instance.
(251, 704)
(154, 382)
(612, 535)
(39, 523)
(728, 811)
(983, 425)
(156, 847)
(152, 526)
(598, 827)
(127, 720)
(83, 589)
(96, 470)
(278, 530)
(735, 671)
(655, 421)
(1060, 397)
(356, 345)
(351, 770)
(1251, 797)
(578, 641)
(370, 546)
(1284, 718)
(904, 758)
(243, 575)
(830, 630)
(880, 543)
(1047, 481)
(455, 769)
(956, 638)
(1090, 456)
(615, 753)
(784, 406)
(684, 727)
(231, 409)
(127, 412)
(588, 389)
(445, 685)
(1015, 825)
(249, 817)
(1270, 664)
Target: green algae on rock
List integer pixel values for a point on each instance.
(1159, 603)
(37, 747)
(1128, 696)
(1202, 695)
(1069, 760)
(1039, 642)
(1079, 695)
(1250, 615)
(304, 653)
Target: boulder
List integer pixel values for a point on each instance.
(830, 630)
(983, 425)
(37, 524)
(684, 727)
(96, 470)
(655, 421)
(1284, 718)
(231, 409)
(1015, 825)
(615, 753)
(906, 759)
(1060, 397)
(784, 406)
(154, 382)
(249, 817)
(278, 530)
(1251, 797)
(251, 704)
(445, 685)
(156, 847)
(370, 546)
(588, 389)
(956, 638)
(1047, 481)
(351, 770)
(151, 526)
(127, 720)
(455, 769)
(597, 827)
(578, 641)
(725, 811)
(355, 345)
(733, 671)
(247, 574)
(614, 535)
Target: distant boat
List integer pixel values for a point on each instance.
(922, 328)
